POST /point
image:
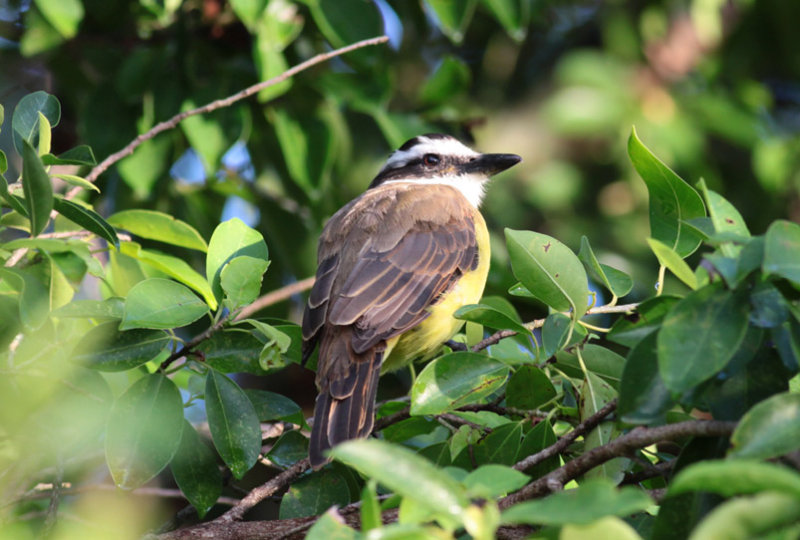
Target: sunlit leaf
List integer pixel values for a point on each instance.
(669, 258)
(231, 239)
(159, 226)
(161, 303)
(616, 281)
(88, 219)
(37, 188)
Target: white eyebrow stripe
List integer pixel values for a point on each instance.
(443, 147)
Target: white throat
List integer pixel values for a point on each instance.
(472, 186)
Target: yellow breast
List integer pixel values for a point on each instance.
(427, 337)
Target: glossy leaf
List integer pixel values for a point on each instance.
(161, 303)
(672, 200)
(159, 226)
(405, 473)
(270, 406)
(105, 348)
(233, 352)
(491, 317)
(732, 477)
(196, 472)
(86, 218)
(144, 430)
(749, 517)
(616, 281)
(674, 263)
(290, 448)
(725, 218)
(700, 335)
(174, 267)
(45, 135)
(592, 500)
(643, 397)
(231, 239)
(453, 17)
(37, 188)
(529, 388)
(549, 270)
(782, 251)
(241, 279)
(454, 380)
(313, 494)
(770, 429)
(25, 120)
(233, 423)
(647, 318)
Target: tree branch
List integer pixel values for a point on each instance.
(637, 438)
(273, 297)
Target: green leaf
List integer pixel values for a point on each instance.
(595, 394)
(454, 380)
(770, 429)
(736, 477)
(45, 135)
(601, 361)
(25, 121)
(77, 181)
(195, 470)
(176, 268)
(270, 406)
(161, 303)
(64, 15)
(643, 398)
(241, 279)
(616, 281)
(549, 270)
(290, 448)
(343, 22)
(782, 251)
(452, 17)
(233, 352)
(669, 258)
(110, 308)
(313, 494)
(500, 446)
(144, 430)
(37, 188)
(769, 307)
(451, 78)
(592, 500)
(16, 203)
(725, 218)
(159, 226)
(233, 423)
(231, 239)
(672, 200)
(331, 527)
(88, 219)
(536, 440)
(370, 507)
(142, 169)
(405, 473)
(513, 15)
(206, 136)
(631, 329)
(490, 481)
(34, 296)
(248, 11)
(700, 335)
(490, 317)
(80, 155)
(607, 527)
(105, 348)
(554, 334)
(749, 517)
(529, 388)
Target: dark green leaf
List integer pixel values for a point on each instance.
(233, 423)
(313, 494)
(700, 335)
(500, 446)
(80, 155)
(769, 307)
(161, 303)
(672, 200)
(195, 470)
(25, 121)
(595, 394)
(37, 188)
(616, 281)
(346, 21)
(529, 388)
(601, 361)
(270, 406)
(405, 473)
(450, 79)
(454, 380)
(88, 219)
(592, 500)
(631, 329)
(782, 251)
(770, 429)
(231, 239)
(144, 430)
(232, 352)
(549, 270)
(736, 477)
(290, 448)
(643, 398)
(453, 17)
(159, 226)
(105, 348)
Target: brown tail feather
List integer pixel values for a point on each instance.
(351, 416)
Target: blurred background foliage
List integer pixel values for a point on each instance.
(711, 85)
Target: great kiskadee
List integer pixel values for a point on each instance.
(394, 265)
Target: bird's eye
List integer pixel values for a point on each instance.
(430, 160)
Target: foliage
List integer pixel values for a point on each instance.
(127, 345)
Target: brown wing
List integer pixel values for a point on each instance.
(379, 270)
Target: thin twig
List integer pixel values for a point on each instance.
(564, 442)
(278, 295)
(639, 437)
(219, 104)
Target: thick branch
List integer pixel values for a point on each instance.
(639, 437)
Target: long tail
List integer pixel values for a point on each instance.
(345, 406)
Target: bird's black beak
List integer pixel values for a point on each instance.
(490, 164)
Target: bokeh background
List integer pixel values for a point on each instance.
(712, 86)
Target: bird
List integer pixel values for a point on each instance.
(393, 265)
